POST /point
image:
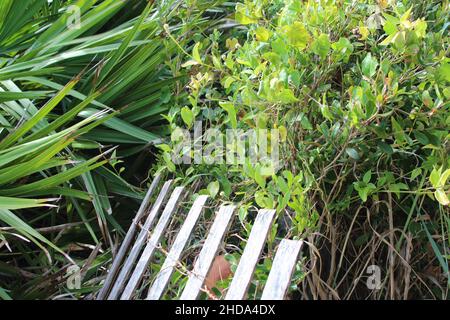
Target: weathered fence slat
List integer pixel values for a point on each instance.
(208, 252)
(250, 256)
(136, 249)
(152, 243)
(282, 268)
(163, 277)
(127, 241)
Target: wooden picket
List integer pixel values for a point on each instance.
(163, 277)
(130, 265)
(152, 244)
(250, 256)
(127, 240)
(209, 251)
(282, 268)
(136, 249)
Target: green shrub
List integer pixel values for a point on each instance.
(359, 92)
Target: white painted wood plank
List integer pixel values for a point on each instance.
(136, 249)
(163, 277)
(208, 252)
(250, 256)
(152, 243)
(282, 268)
(117, 260)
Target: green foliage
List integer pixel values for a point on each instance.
(360, 94)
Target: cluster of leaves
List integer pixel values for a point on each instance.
(359, 93)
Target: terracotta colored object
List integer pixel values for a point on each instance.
(220, 270)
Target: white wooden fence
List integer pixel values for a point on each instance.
(147, 229)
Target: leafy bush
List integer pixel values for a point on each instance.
(359, 93)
